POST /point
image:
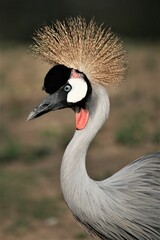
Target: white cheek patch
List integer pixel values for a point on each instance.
(78, 91)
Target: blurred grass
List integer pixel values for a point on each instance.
(20, 207)
(81, 235)
(60, 136)
(13, 150)
(133, 131)
(156, 136)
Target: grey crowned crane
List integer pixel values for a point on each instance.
(85, 60)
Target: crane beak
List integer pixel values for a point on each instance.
(50, 103)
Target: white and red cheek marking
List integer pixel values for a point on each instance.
(78, 93)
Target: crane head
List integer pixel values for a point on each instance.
(78, 51)
(67, 88)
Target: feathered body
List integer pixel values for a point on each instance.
(126, 205)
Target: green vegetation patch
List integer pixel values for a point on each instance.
(81, 235)
(156, 137)
(13, 150)
(17, 203)
(132, 132)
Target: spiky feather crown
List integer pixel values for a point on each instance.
(89, 48)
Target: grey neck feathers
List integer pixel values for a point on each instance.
(75, 181)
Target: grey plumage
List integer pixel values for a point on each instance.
(124, 206)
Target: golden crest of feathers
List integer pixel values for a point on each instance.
(89, 48)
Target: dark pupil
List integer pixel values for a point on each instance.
(67, 88)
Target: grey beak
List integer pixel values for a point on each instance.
(50, 103)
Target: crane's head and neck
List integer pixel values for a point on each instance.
(85, 60)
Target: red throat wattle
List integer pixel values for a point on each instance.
(82, 119)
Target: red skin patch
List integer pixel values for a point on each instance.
(82, 119)
(74, 74)
(82, 116)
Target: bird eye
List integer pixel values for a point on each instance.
(67, 88)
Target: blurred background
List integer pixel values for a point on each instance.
(31, 202)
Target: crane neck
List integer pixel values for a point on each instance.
(73, 169)
(98, 107)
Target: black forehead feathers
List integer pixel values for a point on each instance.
(55, 78)
(58, 77)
